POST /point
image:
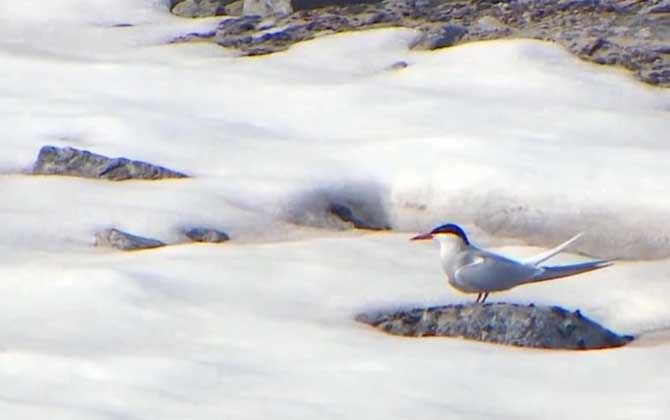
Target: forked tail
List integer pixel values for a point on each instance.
(537, 259)
(558, 271)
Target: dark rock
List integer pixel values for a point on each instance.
(379, 18)
(332, 23)
(663, 7)
(277, 37)
(576, 4)
(74, 162)
(232, 27)
(357, 216)
(200, 8)
(118, 239)
(488, 27)
(194, 36)
(503, 323)
(319, 4)
(200, 234)
(662, 49)
(446, 37)
(398, 65)
(340, 206)
(462, 12)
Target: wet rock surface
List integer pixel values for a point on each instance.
(633, 34)
(503, 323)
(114, 238)
(81, 163)
(203, 234)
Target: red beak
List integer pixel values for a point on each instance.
(422, 237)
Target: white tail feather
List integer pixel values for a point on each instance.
(537, 259)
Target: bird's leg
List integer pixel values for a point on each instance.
(485, 296)
(479, 296)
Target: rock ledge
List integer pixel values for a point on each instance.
(629, 33)
(549, 327)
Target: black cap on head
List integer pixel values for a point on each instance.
(452, 228)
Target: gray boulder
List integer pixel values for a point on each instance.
(447, 36)
(74, 162)
(201, 234)
(503, 323)
(201, 8)
(114, 238)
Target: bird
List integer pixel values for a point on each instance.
(471, 269)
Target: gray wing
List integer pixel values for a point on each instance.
(476, 271)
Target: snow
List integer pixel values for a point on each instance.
(518, 141)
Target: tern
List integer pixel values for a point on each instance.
(474, 270)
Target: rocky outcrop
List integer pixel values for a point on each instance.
(114, 238)
(202, 234)
(205, 8)
(503, 323)
(628, 33)
(201, 8)
(81, 163)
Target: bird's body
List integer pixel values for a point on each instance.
(470, 269)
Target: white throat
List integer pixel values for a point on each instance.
(449, 244)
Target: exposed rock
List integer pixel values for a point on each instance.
(201, 8)
(447, 36)
(489, 27)
(357, 215)
(204, 8)
(320, 4)
(201, 234)
(240, 26)
(663, 7)
(629, 33)
(398, 65)
(266, 7)
(503, 323)
(74, 162)
(118, 239)
(235, 8)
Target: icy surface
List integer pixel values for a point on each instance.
(518, 141)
